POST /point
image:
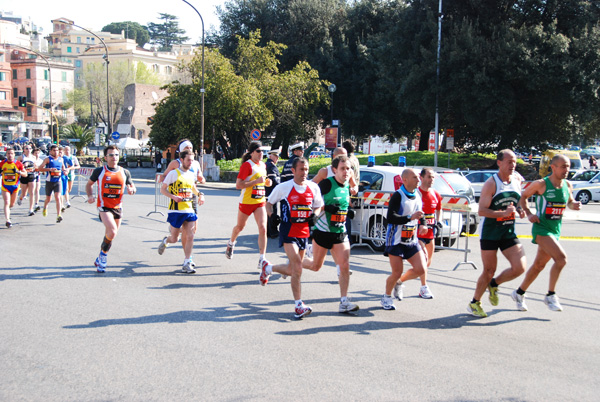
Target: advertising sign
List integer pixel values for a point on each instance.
(331, 135)
(431, 141)
(450, 139)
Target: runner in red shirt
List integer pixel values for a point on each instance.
(11, 171)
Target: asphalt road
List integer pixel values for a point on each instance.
(146, 332)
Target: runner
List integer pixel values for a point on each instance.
(432, 208)
(273, 175)
(554, 193)
(329, 232)
(112, 181)
(72, 163)
(500, 196)
(28, 160)
(252, 180)
(404, 216)
(54, 167)
(11, 170)
(301, 202)
(37, 182)
(179, 186)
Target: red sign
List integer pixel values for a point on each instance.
(255, 134)
(449, 139)
(331, 135)
(418, 141)
(432, 141)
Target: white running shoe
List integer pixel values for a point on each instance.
(387, 303)
(100, 264)
(348, 307)
(162, 246)
(260, 263)
(520, 300)
(302, 311)
(309, 251)
(553, 303)
(425, 293)
(229, 250)
(398, 291)
(19, 201)
(264, 277)
(188, 267)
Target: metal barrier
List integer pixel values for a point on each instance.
(81, 179)
(159, 199)
(370, 222)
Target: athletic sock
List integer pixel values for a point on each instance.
(474, 301)
(262, 257)
(344, 299)
(520, 292)
(550, 293)
(298, 303)
(269, 269)
(493, 283)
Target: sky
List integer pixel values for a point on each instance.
(95, 15)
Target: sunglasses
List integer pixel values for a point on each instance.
(113, 155)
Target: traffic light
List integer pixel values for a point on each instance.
(22, 101)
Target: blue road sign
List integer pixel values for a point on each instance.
(115, 136)
(255, 134)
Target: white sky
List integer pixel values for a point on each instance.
(94, 15)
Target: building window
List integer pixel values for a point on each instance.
(78, 63)
(78, 77)
(14, 74)
(2, 76)
(64, 76)
(77, 50)
(46, 74)
(46, 94)
(28, 110)
(28, 73)
(79, 39)
(2, 95)
(28, 94)
(156, 68)
(169, 70)
(64, 95)
(69, 49)
(15, 92)
(64, 113)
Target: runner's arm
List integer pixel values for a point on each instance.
(487, 193)
(537, 187)
(572, 204)
(393, 216)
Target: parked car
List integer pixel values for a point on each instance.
(477, 179)
(387, 178)
(586, 186)
(590, 151)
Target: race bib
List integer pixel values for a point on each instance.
(258, 191)
(55, 173)
(186, 194)
(339, 218)
(407, 234)
(555, 210)
(507, 220)
(430, 219)
(300, 213)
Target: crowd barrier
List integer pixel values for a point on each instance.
(82, 176)
(160, 200)
(370, 222)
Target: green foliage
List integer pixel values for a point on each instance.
(167, 33)
(85, 135)
(133, 30)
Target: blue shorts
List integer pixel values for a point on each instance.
(301, 242)
(402, 250)
(9, 189)
(176, 219)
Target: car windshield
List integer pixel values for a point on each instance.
(458, 183)
(585, 176)
(575, 163)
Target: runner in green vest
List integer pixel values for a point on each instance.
(500, 196)
(554, 194)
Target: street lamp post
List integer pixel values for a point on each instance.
(105, 57)
(437, 81)
(201, 91)
(49, 81)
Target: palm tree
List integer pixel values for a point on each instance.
(84, 135)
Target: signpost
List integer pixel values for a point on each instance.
(449, 143)
(255, 134)
(331, 137)
(431, 141)
(115, 136)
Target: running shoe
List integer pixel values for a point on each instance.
(37, 208)
(59, 219)
(476, 310)
(338, 270)
(68, 205)
(45, 212)
(493, 295)
(348, 307)
(31, 213)
(229, 250)
(260, 262)
(520, 300)
(62, 209)
(309, 251)
(188, 267)
(19, 201)
(387, 303)
(398, 291)
(8, 224)
(552, 303)
(162, 246)
(264, 277)
(302, 311)
(425, 293)
(100, 264)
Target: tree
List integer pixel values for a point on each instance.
(84, 135)
(167, 33)
(132, 30)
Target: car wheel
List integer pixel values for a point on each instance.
(448, 242)
(584, 197)
(377, 229)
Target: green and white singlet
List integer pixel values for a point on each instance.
(506, 194)
(338, 195)
(550, 207)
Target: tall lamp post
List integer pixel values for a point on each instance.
(437, 82)
(105, 57)
(201, 91)
(49, 81)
